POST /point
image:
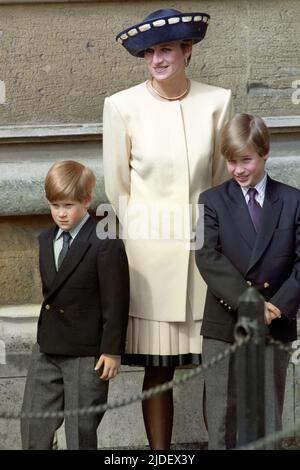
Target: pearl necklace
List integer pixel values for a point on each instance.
(166, 97)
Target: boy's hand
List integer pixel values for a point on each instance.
(110, 364)
(271, 312)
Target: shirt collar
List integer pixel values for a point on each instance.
(75, 230)
(260, 186)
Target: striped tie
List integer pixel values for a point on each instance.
(255, 208)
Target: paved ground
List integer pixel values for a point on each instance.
(193, 446)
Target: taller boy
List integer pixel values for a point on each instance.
(251, 237)
(83, 319)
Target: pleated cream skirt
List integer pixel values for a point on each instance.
(163, 343)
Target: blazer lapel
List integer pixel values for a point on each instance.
(75, 254)
(240, 214)
(271, 212)
(47, 256)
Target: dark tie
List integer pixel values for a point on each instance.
(255, 208)
(66, 241)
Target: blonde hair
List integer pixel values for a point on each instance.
(242, 133)
(68, 179)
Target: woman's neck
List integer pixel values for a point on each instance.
(170, 90)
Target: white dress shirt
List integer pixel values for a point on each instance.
(58, 241)
(260, 188)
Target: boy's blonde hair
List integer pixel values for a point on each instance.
(242, 133)
(68, 179)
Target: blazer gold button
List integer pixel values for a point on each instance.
(61, 311)
(47, 307)
(266, 285)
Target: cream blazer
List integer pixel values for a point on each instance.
(158, 156)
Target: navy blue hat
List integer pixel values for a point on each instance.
(163, 26)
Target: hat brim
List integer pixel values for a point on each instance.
(183, 26)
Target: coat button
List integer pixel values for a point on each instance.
(61, 311)
(249, 283)
(47, 307)
(266, 285)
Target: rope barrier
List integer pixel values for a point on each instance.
(272, 438)
(145, 395)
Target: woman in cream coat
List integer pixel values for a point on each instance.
(161, 148)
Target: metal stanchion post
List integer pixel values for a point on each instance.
(249, 367)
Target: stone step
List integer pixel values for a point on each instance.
(27, 152)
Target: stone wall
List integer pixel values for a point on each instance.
(60, 60)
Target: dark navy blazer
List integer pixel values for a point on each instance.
(233, 256)
(86, 303)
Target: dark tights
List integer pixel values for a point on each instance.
(158, 411)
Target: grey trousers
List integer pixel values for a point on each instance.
(56, 383)
(221, 393)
